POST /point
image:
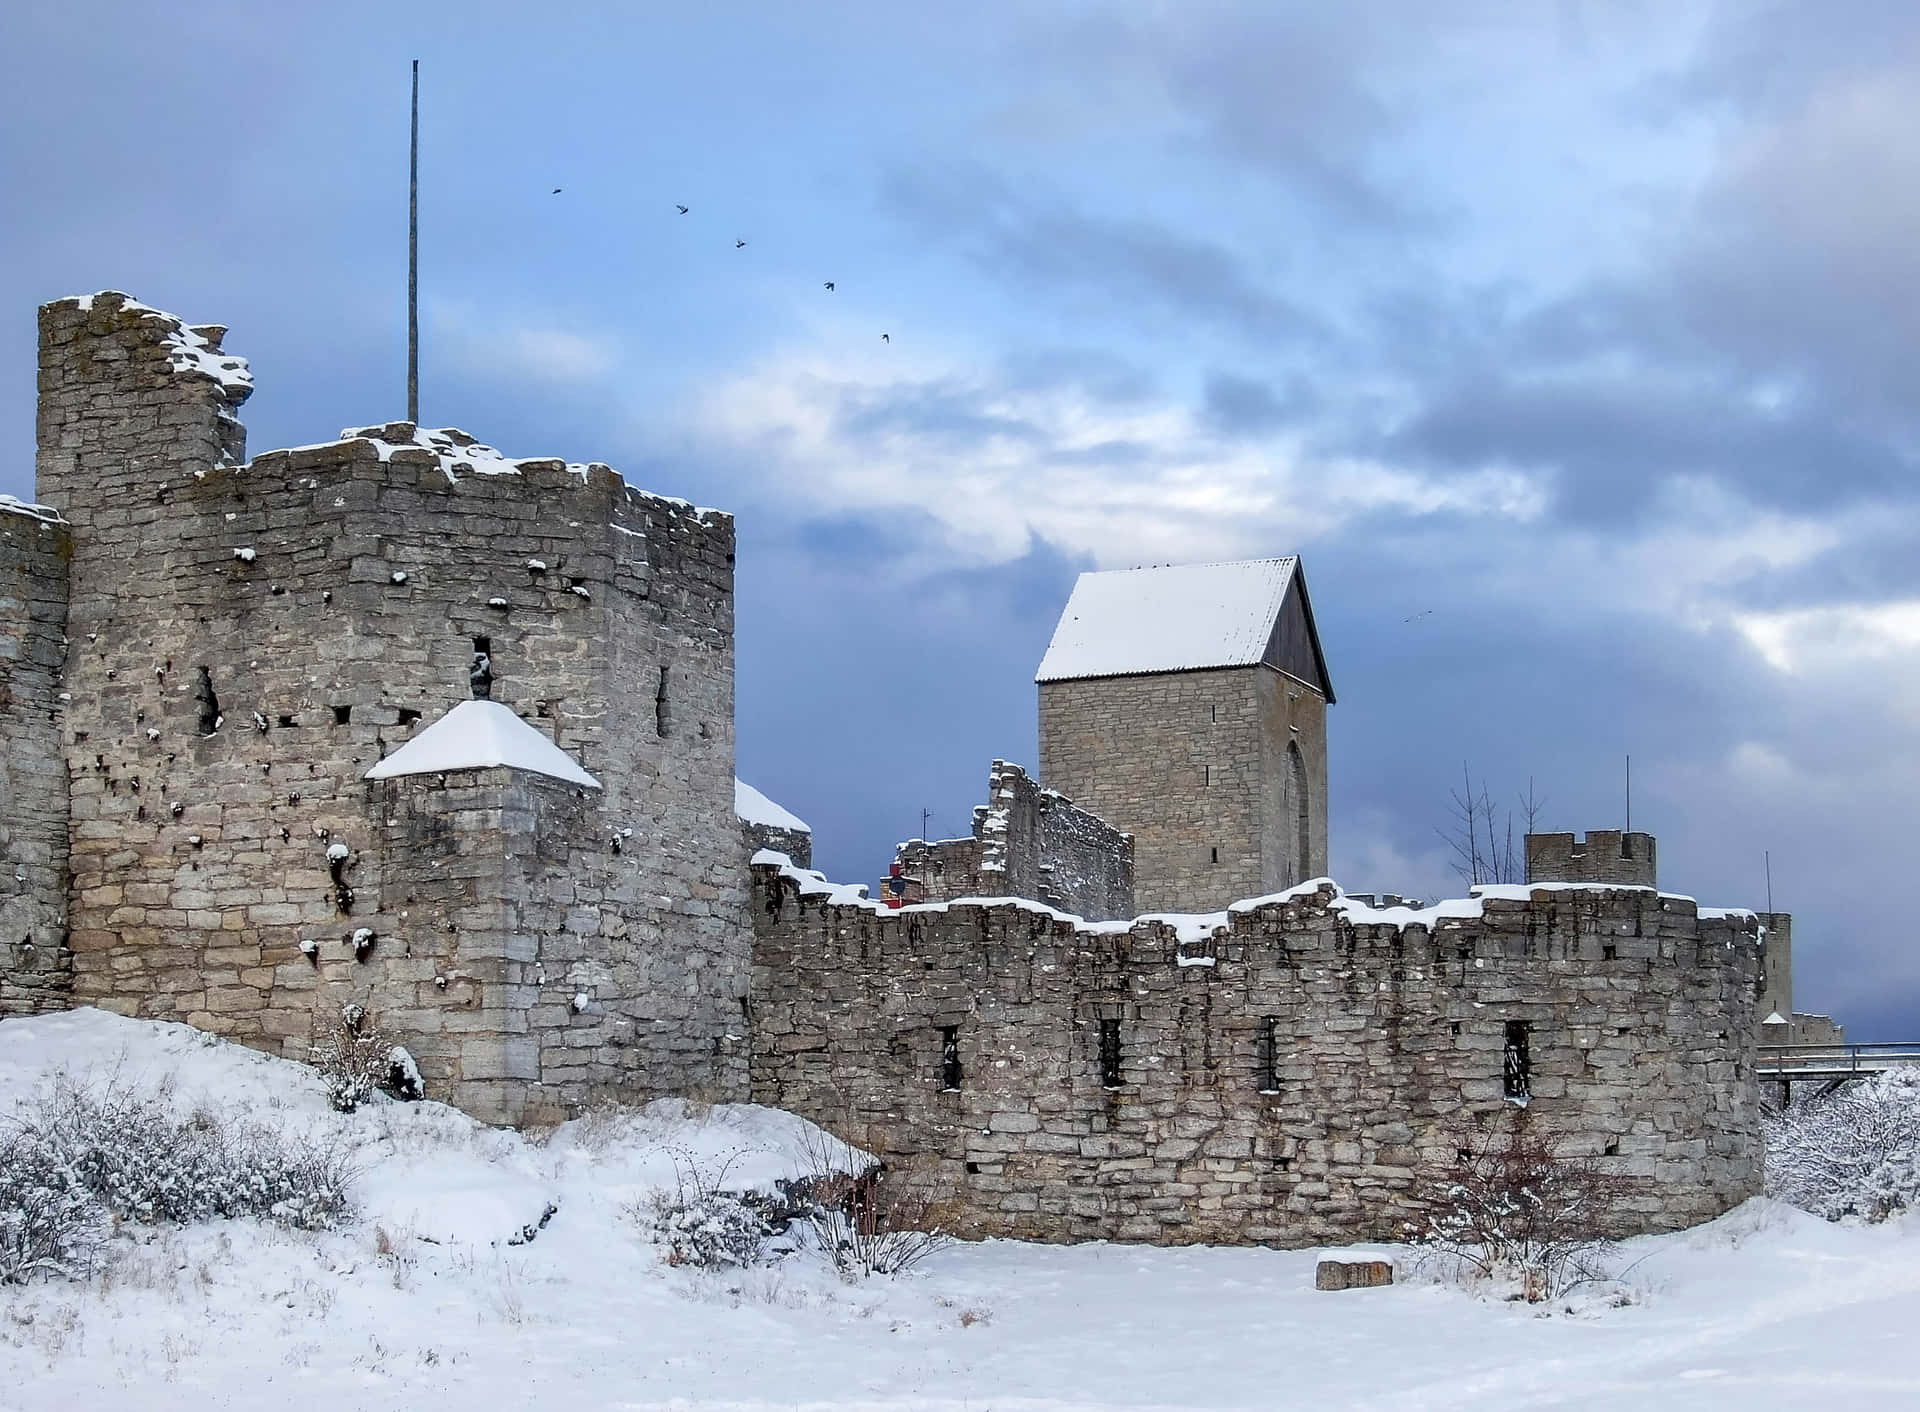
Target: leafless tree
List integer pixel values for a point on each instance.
(1480, 833)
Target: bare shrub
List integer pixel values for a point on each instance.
(699, 1223)
(50, 1224)
(1513, 1210)
(355, 1059)
(1854, 1152)
(82, 1157)
(864, 1224)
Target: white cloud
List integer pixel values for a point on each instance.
(994, 464)
(1803, 641)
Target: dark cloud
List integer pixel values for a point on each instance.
(1240, 406)
(1135, 267)
(1611, 442)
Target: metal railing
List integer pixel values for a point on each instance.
(1832, 1061)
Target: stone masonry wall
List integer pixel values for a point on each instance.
(1303, 1073)
(1603, 856)
(1027, 842)
(250, 638)
(1197, 767)
(797, 844)
(36, 967)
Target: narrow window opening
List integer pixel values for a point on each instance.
(1302, 813)
(973, 1169)
(1270, 1056)
(342, 715)
(1455, 1027)
(1612, 1148)
(1206, 776)
(1216, 854)
(1110, 1054)
(286, 722)
(1517, 1064)
(408, 715)
(480, 669)
(660, 714)
(950, 1058)
(207, 702)
(1610, 952)
(1216, 712)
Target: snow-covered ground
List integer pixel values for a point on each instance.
(422, 1304)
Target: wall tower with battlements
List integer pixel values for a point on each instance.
(248, 638)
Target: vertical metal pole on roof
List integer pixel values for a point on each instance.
(413, 258)
(1629, 794)
(1766, 857)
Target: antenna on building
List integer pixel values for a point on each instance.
(1629, 828)
(1766, 856)
(413, 258)
(926, 816)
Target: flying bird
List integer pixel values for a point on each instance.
(556, 191)
(829, 286)
(886, 338)
(678, 207)
(1419, 615)
(738, 243)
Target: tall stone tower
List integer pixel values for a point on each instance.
(248, 642)
(1187, 705)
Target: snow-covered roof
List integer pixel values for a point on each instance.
(1173, 618)
(480, 735)
(753, 807)
(46, 514)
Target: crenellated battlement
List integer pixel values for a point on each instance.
(1293, 1068)
(1602, 856)
(250, 637)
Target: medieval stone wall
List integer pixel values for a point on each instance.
(36, 968)
(1200, 767)
(1299, 1075)
(797, 844)
(1603, 856)
(1027, 842)
(249, 638)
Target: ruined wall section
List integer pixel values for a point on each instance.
(1027, 842)
(1196, 766)
(797, 844)
(1603, 856)
(293, 620)
(36, 967)
(1296, 1077)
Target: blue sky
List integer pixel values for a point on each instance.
(1572, 345)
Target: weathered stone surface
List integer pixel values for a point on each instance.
(1219, 775)
(1026, 842)
(36, 966)
(247, 639)
(1294, 1079)
(1352, 1274)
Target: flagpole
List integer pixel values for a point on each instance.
(413, 258)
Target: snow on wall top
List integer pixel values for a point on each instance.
(190, 348)
(480, 735)
(753, 807)
(1193, 928)
(12, 505)
(458, 454)
(1174, 618)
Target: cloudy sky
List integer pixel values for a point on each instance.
(1575, 346)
